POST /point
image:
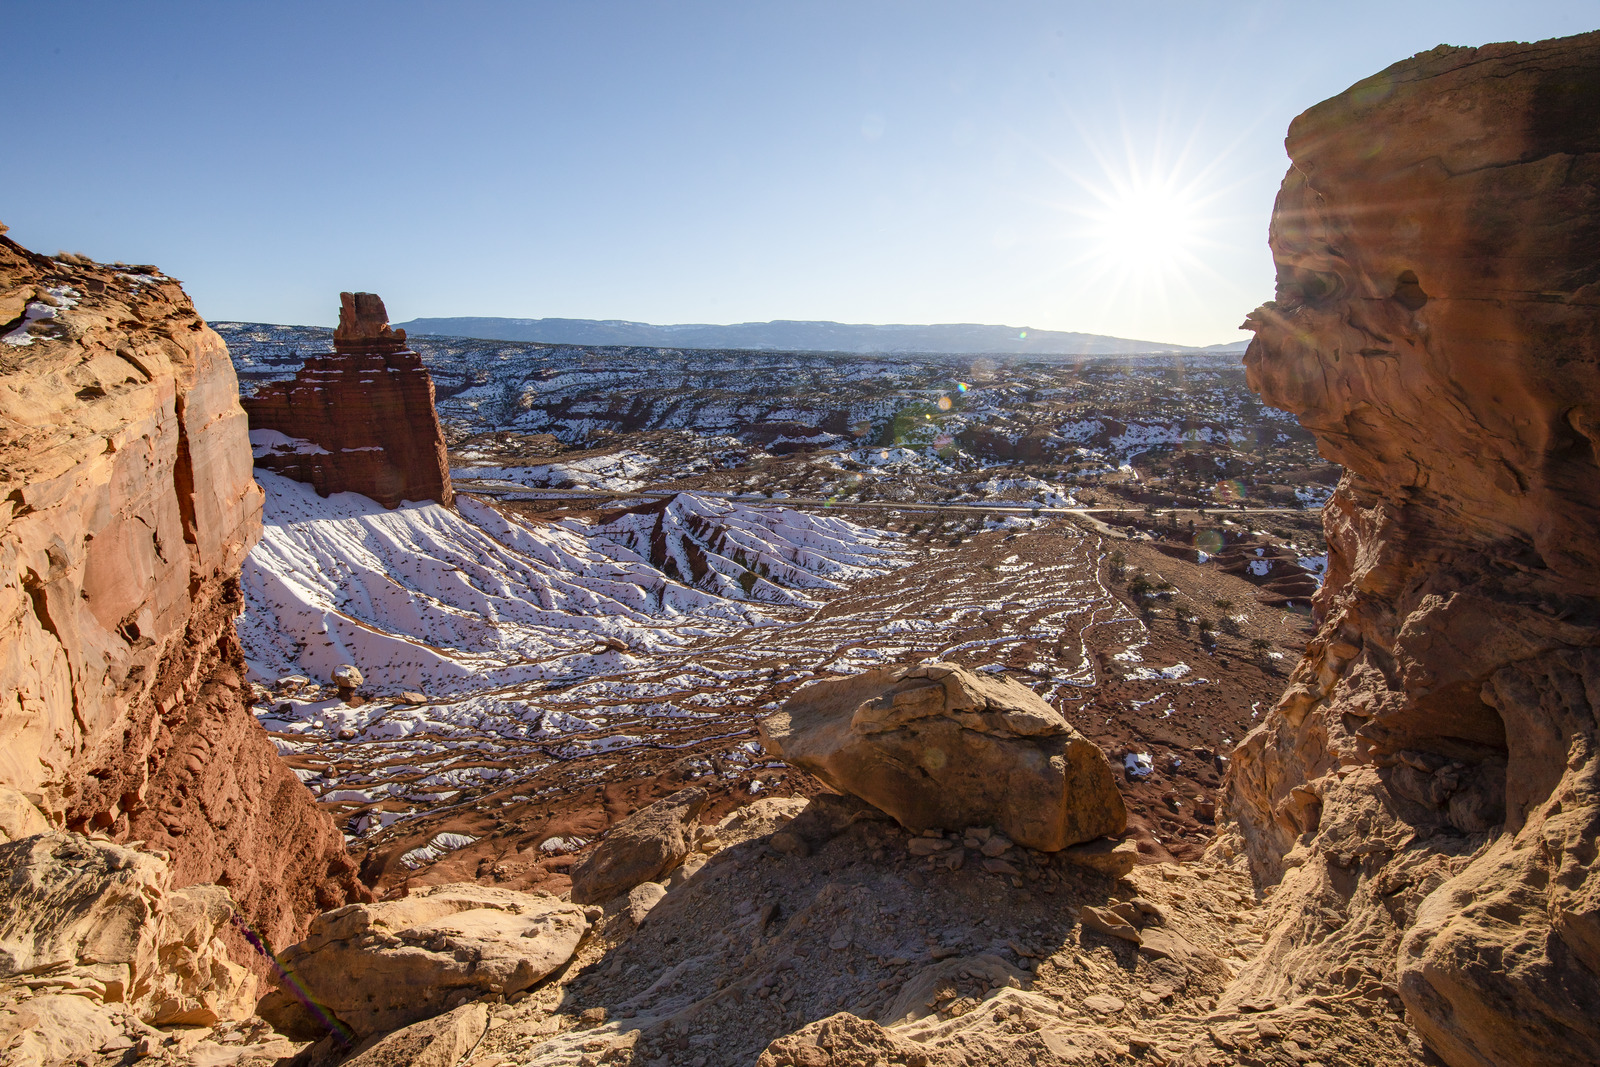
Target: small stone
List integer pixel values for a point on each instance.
(1101, 1004)
(998, 866)
(642, 898)
(592, 1016)
(995, 846)
(926, 846)
(790, 844)
(413, 698)
(1105, 921)
(347, 676)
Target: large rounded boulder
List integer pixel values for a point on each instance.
(940, 747)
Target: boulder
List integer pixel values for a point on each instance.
(641, 848)
(439, 1042)
(378, 967)
(642, 898)
(95, 919)
(937, 746)
(347, 676)
(18, 817)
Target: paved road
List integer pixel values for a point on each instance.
(466, 485)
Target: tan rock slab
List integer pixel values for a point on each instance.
(437, 1042)
(378, 967)
(1108, 922)
(937, 746)
(1114, 858)
(18, 817)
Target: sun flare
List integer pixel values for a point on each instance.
(1146, 226)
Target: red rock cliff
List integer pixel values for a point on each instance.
(126, 508)
(1426, 795)
(361, 420)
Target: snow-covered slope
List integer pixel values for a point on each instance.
(423, 597)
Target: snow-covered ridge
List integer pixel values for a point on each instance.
(423, 597)
(616, 472)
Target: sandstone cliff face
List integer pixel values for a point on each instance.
(361, 420)
(1425, 794)
(126, 508)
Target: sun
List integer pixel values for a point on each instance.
(1144, 225)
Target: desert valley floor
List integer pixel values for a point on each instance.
(640, 563)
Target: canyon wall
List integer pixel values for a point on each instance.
(126, 508)
(361, 420)
(1423, 804)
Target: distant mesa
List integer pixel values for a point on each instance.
(360, 420)
(784, 335)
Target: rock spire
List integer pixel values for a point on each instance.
(359, 420)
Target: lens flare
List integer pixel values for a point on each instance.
(944, 403)
(1208, 541)
(963, 386)
(1229, 491)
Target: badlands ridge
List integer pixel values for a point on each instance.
(1403, 869)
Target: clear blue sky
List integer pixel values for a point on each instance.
(1106, 167)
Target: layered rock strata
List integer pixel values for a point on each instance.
(126, 508)
(360, 420)
(1424, 797)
